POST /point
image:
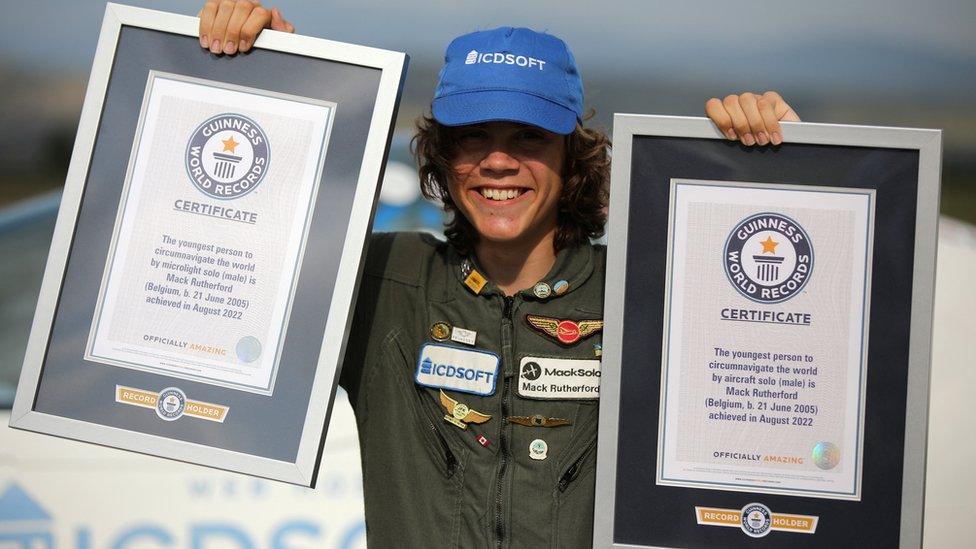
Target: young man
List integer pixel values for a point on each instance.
(473, 365)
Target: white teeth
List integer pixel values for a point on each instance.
(500, 194)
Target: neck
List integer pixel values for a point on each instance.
(515, 267)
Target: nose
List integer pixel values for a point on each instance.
(499, 161)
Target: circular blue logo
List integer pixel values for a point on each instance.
(756, 520)
(768, 257)
(227, 156)
(170, 404)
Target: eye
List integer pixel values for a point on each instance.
(471, 136)
(532, 135)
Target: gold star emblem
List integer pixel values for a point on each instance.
(230, 144)
(769, 245)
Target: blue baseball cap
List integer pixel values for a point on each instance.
(511, 74)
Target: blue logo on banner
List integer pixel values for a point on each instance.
(23, 522)
(768, 257)
(227, 156)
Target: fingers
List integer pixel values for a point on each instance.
(219, 29)
(256, 22)
(242, 10)
(207, 15)
(754, 119)
(769, 120)
(757, 130)
(721, 118)
(232, 26)
(739, 121)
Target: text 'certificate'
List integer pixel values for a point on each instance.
(210, 232)
(764, 368)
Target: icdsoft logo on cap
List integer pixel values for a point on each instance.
(227, 156)
(475, 57)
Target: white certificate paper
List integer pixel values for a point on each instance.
(210, 232)
(765, 338)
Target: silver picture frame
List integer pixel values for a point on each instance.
(367, 151)
(611, 475)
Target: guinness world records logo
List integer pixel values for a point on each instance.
(768, 257)
(227, 156)
(756, 520)
(170, 404)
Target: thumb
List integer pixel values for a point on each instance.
(278, 22)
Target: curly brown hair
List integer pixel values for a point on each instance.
(586, 183)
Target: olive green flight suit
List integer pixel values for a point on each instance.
(430, 484)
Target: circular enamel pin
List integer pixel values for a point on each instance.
(560, 287)
(440, 331)
(542, 290)
(538, 449)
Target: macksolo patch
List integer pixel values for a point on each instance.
(559, 378)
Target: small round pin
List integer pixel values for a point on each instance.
(440, 331)
(542, 290)
(538, 449)
(560, 287)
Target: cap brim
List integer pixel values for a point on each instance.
(461, 109)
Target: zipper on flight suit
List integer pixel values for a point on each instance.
(571, 473)
(508, 330)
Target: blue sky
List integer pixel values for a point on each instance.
(889, 47)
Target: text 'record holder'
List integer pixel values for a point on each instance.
(768, 336)
(208, 247)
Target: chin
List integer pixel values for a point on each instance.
(500, 235)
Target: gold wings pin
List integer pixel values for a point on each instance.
(459, 414)
(566, 332)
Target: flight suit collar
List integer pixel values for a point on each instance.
(573, 266)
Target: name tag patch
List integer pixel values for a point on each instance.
(464, 370)
(559, 378)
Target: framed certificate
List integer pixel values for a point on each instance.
(208, 246)
(768, 330)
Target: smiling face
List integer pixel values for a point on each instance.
(507, 180)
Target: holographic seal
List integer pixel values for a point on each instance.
(248, 349)
(826, 455)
